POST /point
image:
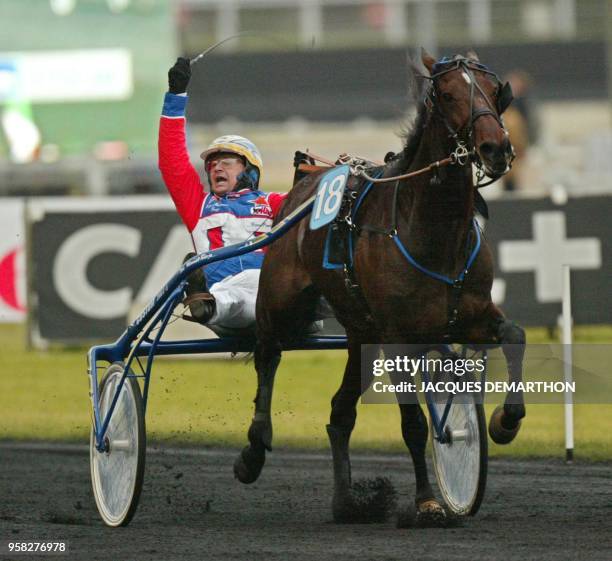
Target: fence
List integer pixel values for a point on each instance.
(89, 260)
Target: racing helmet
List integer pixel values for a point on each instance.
(241, 146)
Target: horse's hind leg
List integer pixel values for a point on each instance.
(284, 308)
(249, 463)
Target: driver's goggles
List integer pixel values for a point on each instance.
(226, 162)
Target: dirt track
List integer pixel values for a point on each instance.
(192, 508)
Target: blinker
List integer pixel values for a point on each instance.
(504, 98)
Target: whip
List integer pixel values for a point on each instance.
(234, 36)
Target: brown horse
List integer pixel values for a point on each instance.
(382, 296)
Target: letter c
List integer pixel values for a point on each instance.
(70, 269)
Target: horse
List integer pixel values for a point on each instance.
(406, 280)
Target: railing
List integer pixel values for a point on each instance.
(335, 23)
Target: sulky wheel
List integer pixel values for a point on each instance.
(460, 463)
(117, 473)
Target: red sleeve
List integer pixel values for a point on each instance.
(180, 177)
(276, 201)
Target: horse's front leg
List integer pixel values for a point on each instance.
(249, 463)
(505, 421)
(341, 424)
(362, 501)
(414, 432)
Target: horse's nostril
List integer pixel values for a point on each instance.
(487, 149)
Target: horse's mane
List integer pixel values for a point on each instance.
(411, 132)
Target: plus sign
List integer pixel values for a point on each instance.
(548, 251)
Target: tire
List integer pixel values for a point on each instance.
(118, 473)
(461, 464)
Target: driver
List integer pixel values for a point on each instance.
(222, 293)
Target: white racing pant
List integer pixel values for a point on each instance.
(235, 298)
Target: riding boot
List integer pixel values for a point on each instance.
(202, 306)
(201, 303)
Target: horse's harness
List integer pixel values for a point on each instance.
(346, 223)
(463, 154)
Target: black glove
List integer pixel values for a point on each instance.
(179, 75)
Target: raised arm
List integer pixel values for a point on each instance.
(180, 177)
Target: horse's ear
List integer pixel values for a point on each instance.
(427, 59)
(504, 97)
(471, 54)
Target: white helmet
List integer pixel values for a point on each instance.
(236, 145)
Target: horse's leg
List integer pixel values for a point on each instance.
(249, 463)
(284, 307)
(341, 424)
(505, 421)
(415, 432)
(371, 500)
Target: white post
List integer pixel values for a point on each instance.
(227, 23)
(311, 24)
(395, 22)
(565, 18)
(567, 362)
(479, 20)
(426, 26)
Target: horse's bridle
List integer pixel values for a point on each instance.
(464, 151)
(464, 135)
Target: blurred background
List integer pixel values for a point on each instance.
(89, 235)
(81, 82)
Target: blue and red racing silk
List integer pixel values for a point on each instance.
(213, 221)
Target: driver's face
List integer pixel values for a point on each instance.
(224, 169)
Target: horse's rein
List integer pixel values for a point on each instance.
(459, 156)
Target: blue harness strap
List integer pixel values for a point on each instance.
(403, 249)
(438, 276)
(327, 262)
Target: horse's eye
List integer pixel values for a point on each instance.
(447, 97)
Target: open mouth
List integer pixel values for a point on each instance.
(220, 180)
(496, 169)
(493, 168)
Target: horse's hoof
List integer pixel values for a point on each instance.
(430, 513)
(248, 464)
(499, 433)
